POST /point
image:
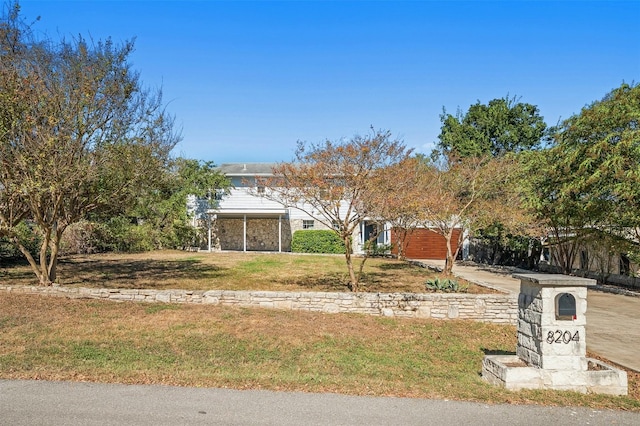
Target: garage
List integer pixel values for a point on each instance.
(424, 243)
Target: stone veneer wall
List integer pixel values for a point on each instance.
(494, 308)
(262, 234)
(537, 320)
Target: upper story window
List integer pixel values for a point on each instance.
(260, 190)
(308, 224)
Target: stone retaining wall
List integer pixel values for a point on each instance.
(495, 308)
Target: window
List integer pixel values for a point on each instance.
(260, 190)
(307, 224)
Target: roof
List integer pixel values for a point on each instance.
(246, 169)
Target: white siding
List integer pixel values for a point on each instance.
(241, 198)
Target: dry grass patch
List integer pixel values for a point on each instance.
(230, 271)
(214, 346)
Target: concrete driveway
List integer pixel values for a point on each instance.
(613, 320)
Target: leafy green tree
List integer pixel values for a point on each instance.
(501, 127)
(589, 181)
(79, 134)
(601, 147)
(504, 125)
(548, 183)
(163, 208)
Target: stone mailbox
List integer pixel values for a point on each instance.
(551, 321)
(551, 352)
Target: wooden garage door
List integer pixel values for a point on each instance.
(425, 244)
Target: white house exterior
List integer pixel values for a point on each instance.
(245, 221)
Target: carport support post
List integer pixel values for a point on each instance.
(244, 233)
(209, 233)
(279, 233)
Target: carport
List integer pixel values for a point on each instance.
(249, 229)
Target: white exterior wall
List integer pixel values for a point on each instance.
(242, 199)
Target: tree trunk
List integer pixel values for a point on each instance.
(452, 254)
(44, 264)
(55, 250)
(30, 259)
(401, 238)
(565, 250)
(448, 263)
(45, 268)
(352, 275)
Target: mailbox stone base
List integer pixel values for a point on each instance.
(552, 348)
(510, 372)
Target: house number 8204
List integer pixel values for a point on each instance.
(565, 337)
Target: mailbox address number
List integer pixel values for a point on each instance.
(565, 337)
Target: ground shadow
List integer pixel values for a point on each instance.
(394, 266)
(328, 282)
(128, 274)
(497, 352)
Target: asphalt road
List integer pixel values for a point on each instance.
(65, 403)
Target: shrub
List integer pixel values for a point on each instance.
(374, 249)
(317, 241)
(445, 285)
(28, 235)
(127, 236)
(85, 237)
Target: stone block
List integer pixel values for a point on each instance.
(453, 312)
(331, 308)
(423, 312)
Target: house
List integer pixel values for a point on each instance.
(596, 255)
(243, 220)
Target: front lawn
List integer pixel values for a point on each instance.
(52, 338)
(229, 271)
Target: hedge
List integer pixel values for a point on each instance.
(317, 241)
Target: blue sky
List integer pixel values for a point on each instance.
(246, 80)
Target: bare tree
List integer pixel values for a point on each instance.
(470, 193)
(333, 183)
(395, 198)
